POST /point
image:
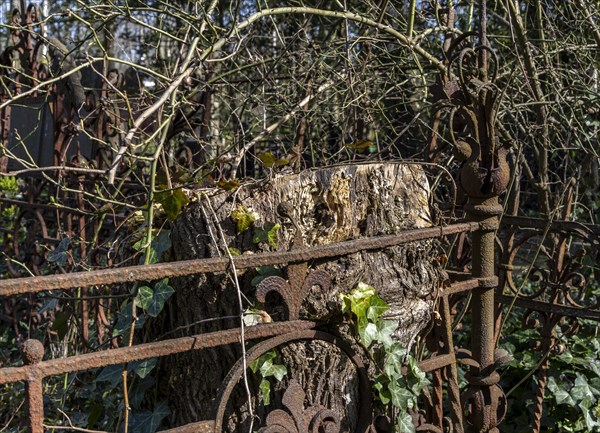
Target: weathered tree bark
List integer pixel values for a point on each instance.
(328, 205)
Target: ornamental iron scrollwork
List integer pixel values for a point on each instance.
(297, 418)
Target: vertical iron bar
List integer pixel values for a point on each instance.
(35, 403)
(453, 390)
(32, 353)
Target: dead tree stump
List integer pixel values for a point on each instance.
(327, 205)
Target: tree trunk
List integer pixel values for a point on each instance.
(328, 205)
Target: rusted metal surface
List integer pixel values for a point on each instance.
(437, 362)
(298, 419)
(553, 308)
(236, 372)
(589, 231)
(195, 427)
(32, 353)
(147, 350)
(484, 174)
(189, 267)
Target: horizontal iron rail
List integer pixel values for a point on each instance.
(539, 223)
(178, 345)
(182, 268)
(546, 307)
(148, 350)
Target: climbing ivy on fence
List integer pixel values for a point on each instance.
(395, 384)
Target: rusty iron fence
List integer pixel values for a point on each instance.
(493, 284)
(555, 301)
(36, 369)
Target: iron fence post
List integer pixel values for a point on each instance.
(484, 397)
(484, 176)
(32, 353)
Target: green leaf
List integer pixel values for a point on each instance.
(158, 245)
(402, 398)
(153, 300)
(96, 411)
(265, 387)
(172, 201)
(267, 159)
(264, 272)
(243, 218)
(256, 365)
(368, 334)
(385, 331)
(138, 391)
(404, 423)
(149, 422)
(381, 386)
(124, 320)
(376, 307)
(234, 251)
(561, 395)
(268, 235)
(144, 367)
(395, 356)
(112, 374)
(276, 370)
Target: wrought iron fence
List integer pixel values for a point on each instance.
(560, 298)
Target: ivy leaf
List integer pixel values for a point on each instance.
(124, 320)
(270, 161)
(234, 251)
(256, 365)
(394, 360)
(267, 235)
(265, 387)
(95, 413)
(376, 307)
(138, 391)
(404, 423)
(59, 255)
(381, 386)
(264, 272)
(112, 374)
(172, 201)
(228, 185)
(402, 398)
(385, 331)
(368, 334)
(581, 389)
(243, 218)
(361, 145)
(561, 395)
(153, 300)
(275, 370)
(149, 422)
(143, 368)
(158, 245)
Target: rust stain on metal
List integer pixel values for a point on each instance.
(195, 427)
(158, 271)
(437, 362)
(297, 418)
(34, 395)
(148, 350)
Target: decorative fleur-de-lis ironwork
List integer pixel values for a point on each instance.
(299, 283)
(297, 419)
(293, 291)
